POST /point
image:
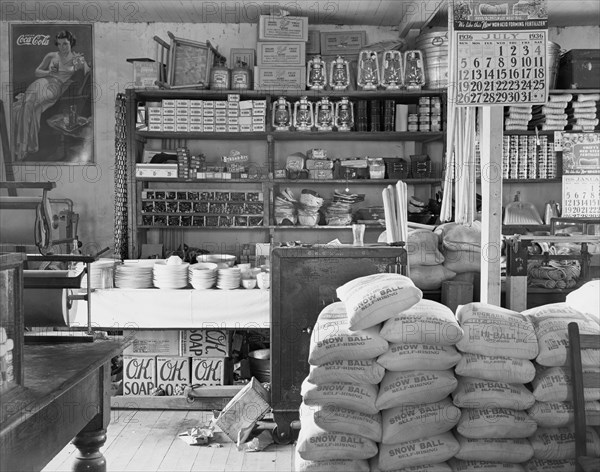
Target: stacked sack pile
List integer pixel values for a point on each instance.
(517, 117)
(497, 346)
(552, 115)
(554, 441)
(461, 248)
(425, 261)
(582, 112)
(414, 395)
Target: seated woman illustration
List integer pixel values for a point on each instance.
(54, 75)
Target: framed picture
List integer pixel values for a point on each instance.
(190, 62)
(52, 110)
(242, 55)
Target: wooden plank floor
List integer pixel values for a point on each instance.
(147, 440)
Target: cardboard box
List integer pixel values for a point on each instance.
(196, 127)
(282, 28)
(182, 127)
(156, 170)
(139, 375)
(342, 42)
(280, 54)
(170, 120)
(169, 111)
(313, 44)
(153, 127)
(172, 374)
(279, 78)
(168, 103)
(210, 371)
(169, 127)
(153, 341)
(205, 342)
(145, 73)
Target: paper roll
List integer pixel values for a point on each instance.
(401, 118)
(47, 306)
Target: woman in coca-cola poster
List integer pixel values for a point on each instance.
(52, 119)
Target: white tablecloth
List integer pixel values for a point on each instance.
(164, 308)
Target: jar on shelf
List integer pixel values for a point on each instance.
(220, 77)
(240, 77)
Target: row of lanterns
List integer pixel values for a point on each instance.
(394, 71)
(324, 115)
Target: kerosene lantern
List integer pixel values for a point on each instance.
(324, 111)
(368, 70)
(414, 70)
(344, 114)
(316, 74)
(339, 74)
(391, 70)
(303, 114)
(281, 115)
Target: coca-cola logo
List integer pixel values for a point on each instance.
(33, 40)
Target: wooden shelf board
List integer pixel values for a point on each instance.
(420, 136)
(209, 228)
(246, 136)
(532, 181)
(202, 181)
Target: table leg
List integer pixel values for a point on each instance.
(88, 456)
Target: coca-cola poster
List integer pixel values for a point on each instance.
(52, 91)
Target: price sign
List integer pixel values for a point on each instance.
(581, 195)
(501, 52)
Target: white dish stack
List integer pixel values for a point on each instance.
(101, 274)
(203, 275)
(133, 275)
(229, 279)
(170, 275)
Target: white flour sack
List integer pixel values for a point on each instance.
(331, 339)
(419, 357)
(554, 385)
(439, 467)
(426, 322)
(495, 331)
(478, 393)
(414, 386)
(372, 299)
(502, 369)
(335, 419)
(363, 371)
(407, 422)
(358, 397)
(431, 450)
(494, 450)
(430, 277)
(559, 414)
(495, 423)
(550, 323)
(542, 465)
(483, 466)
(331, 465)
(316, 444)
(559, 443)
(422, 248)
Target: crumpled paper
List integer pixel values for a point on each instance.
(259, 443)
(200, 436)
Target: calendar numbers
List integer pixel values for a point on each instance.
(498, 68)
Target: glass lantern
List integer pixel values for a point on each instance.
(281, 114)
(391, 70)
(316, 74)
(344, 114)
(303, 114)
(368, 70)
(414, 70)
(324, 111)
(339, 74)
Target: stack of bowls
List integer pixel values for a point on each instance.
(222, 260)
(310, 203)
(229, 278)
(203, 275)
(170, 275)
(101, 274)
(133, 274)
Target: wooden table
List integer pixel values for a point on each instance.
(65, 396)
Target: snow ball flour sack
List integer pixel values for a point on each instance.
(478, 393)
(559, 443)
(494, 331)
(335, 419)
(483, 466)
(364, 371)
(482, 423)
(331, 465)
(558, 414)
(494, 450)
(318, 445)
(414, 386)
(502, 369)
(439, 467)
(427, 322)
(430, 277)
(331, 339)
(422, 248)
(554, 385)
(358, 397)
(418, 421)
(542, 465)
(431, 450)
(419, 356)
(550, 323)
(375, 298)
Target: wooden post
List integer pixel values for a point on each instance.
(491, 191)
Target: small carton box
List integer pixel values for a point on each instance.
(182, 119)
(168, 103)
(246, 112)
(209, 120)
(220, 120)
(182, 103)
(235, 113)
(170, 120)
(280, 54)
(155, 127)
(220, 103)
(209, 104)
(220, 112)
(233, 120)
(196, 104)
(245, 128)
(342, 42)
(208, 128)
(279, 78)
(196, 120)
(145, 73)
(179, 111)
(261, 128)
(196, 111)
(155, 111)
(210, 371)
(221, 128)
(282, 28)
(139, 375)
(196, 127)
(233, 98)
(169, 127)
(168, 111)
(182, 127)
(153, 341)
(245, 105)
(172, 374)
(155, 119)
(233, 128)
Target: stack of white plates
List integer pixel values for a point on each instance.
(101, 274)
(203, 275)
(229, 279)
(133, 275)
(170, 275)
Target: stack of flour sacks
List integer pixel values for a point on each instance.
(377, 395)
